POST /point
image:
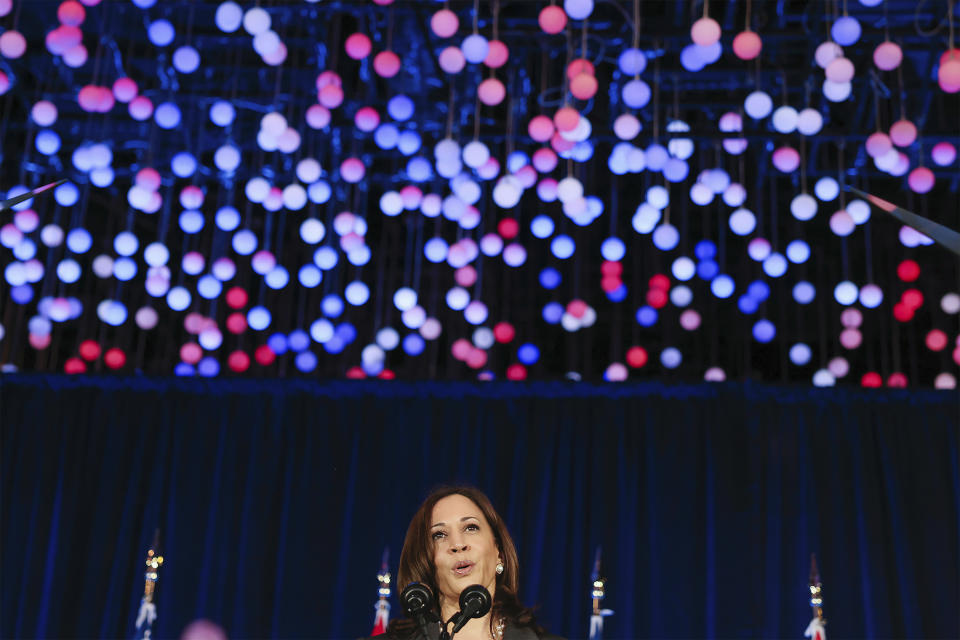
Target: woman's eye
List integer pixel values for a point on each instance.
(472, 527)
(438, 534)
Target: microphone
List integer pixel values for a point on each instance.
(474, 603)
(417, 602)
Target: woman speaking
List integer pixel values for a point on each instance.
(457, 540)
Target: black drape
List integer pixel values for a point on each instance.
(275, 500)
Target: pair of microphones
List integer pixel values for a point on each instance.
(418, 604)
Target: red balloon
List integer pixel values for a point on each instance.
(897, 380)
(387, 374)
(327, 78)
(578, 66)
(444, 23)
(913, 299)
(636, 357)
(657, 298)
(358, 46)
(611, 268)
(461, 348)
(236, 298)
(356, 373)
(610, 283)
(74, 365)
(936, 340)
(566, 118)
(561, 144)
(386, 64)
(89, 350)
(115, 358)
(577, 308)
(330, 96)
(504, 332)
(544, 159)
(584, 86)
(552, 19)
(871, 379)
(508, 228)
(191, 353)
(516, 371)
(908, 271)
(747, 45)
(659, 281)
(477, 358)
(491, 92)
(89, 98)
(264, 355)
(238, 361)
(105, 100)
(902, 312)
(71, 13)
(39, 340)
(236, 322)
(540, 128)
(497, 54)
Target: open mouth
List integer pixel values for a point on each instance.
(463, 568)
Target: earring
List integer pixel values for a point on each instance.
(499, 568)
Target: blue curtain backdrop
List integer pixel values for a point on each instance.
(275, 500)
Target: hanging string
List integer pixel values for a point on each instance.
(950, 24)
(747, 26)
(636, 25)
(876, 101)
(390, 29)
(886, 22)
(656, 96)
(903, 93)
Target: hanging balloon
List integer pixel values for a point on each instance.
(491, 92)
(747, 45)
(552, 19)
(705, 32)
(584, 86)
(452, 60)
(887, 56)
(444, 23)
(497, 54)
(566, 119)
(386, 64)
(358, 46)
(541, 128)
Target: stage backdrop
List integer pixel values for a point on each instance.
(275, 500)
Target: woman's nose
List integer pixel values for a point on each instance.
(457, 546)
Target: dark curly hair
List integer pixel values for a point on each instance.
(416, 562)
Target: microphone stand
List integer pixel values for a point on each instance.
(444, 628)
(444, 633)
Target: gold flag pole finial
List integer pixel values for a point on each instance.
(153, 562)
(816, 588)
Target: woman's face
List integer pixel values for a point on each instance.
(464, 550)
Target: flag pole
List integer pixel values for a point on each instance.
(816, 629)
(597, 593)
(382, 618)
(148, 611)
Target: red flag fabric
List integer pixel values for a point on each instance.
(383, 618)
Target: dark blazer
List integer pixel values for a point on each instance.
(510, 632)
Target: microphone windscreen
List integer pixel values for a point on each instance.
(416, 598)
(476, 600)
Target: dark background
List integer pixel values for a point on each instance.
(276, 500)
